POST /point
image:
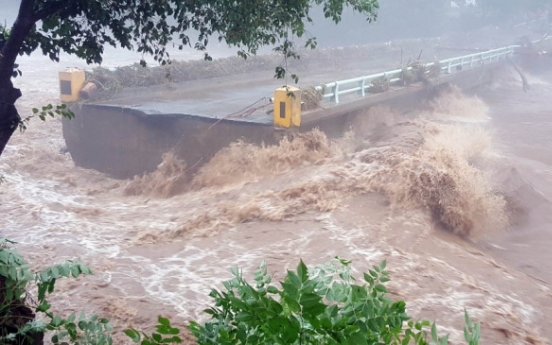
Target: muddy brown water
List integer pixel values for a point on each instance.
(477, 163)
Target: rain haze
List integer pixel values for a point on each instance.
(422, 138)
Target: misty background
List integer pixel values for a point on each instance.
(397, 19)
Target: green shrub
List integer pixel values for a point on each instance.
(165, 334)
(18, 322)
(325, 305)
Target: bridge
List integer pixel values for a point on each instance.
(335, 90)
(128, 136)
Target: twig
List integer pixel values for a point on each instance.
(526, 85)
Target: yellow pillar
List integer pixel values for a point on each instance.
(287, 107)
(71, 82)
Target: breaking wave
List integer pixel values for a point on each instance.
(421, 161)
(240, 162)
(167, 180)
(453, 105)
(243, 162)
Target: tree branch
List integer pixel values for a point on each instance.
(26, 8)
(20, 29)
(48, 10)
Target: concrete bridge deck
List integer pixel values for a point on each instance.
(223, 97)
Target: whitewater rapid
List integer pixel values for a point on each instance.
(454, 195)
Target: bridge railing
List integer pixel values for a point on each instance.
(333, 91)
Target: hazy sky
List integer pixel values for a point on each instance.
(395, 21)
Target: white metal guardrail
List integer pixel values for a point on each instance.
(360, 85)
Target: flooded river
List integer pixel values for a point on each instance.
(454, 195)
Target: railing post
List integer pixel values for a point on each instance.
(448, 67)
(362, 87)
(336, 93)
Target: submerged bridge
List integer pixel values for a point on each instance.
(129, 135)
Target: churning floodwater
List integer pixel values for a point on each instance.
(455, 195)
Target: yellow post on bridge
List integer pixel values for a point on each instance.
(287, 107)
(71, 82)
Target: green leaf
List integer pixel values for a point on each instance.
(174, 339)
(272, 289)
(75, 271)
(368, 279)
(56, 321)
(380, 288)
(302, 271)
(64, 270)
(82, 325)
(51, 285)
(44, 307)
(292, 304)
(467, 318)
(384, 279)
(344, 262)
(294, 280)
(133, 335)
(44, 276)
(54, 272)
(157, 337)
(164, 321)
(434, 335)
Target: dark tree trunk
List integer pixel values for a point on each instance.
(9, 117)
(14, 315)
(17, 313)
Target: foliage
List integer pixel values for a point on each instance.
(45, 111)
(16, 279)
(472, 331)
(82, 331)
(325, 305)
(83, 28)
(48, 110)
(166, 334)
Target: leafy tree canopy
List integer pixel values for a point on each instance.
(84, 27)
